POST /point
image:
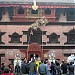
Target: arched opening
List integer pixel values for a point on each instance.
(47, 11)
(34, 11)
(21, 11)
(34, 51)
(32, 56)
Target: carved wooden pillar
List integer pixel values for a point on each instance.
(0, 59)
(1, 55)
(53, 13)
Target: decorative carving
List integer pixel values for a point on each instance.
(30, 15)
(53, 38)
(70, 37)
(15, 38)
(40, 22)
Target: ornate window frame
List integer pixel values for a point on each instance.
(34, 12)
(1, 34)
(17, 36)
(52, 37)
(47, 11)
(22, 11)
(70, 36)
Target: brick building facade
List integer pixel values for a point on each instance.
(16, 35)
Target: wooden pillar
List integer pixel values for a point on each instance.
(53, 13)
(0, 59)
(1, 55)
(14, 12)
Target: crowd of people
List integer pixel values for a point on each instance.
(43, 67)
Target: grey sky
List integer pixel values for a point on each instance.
(62, 1)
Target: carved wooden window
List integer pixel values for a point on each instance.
(15, 38)
(34, 11)
(53, 38)
(67, 55)
(20, 11)
(4, 11)
(72, 11)
(11, 12)
(35, 36)
(0, 39)
(1, 12)
(47, 11)
(70, 37)
(70, 14)
(1, 34)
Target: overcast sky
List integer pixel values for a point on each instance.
(68, 1)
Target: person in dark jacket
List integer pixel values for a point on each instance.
(17, 69)
(58, 69)
(24, 68)
(32, 67)
(0, 70)
(2, 67)
(64, 67)
(71, 69)
(42, 68)
(53, 69)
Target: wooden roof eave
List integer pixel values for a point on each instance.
(39, 6)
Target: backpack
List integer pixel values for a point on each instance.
(42, 70)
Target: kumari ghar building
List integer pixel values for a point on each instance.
(19, 35)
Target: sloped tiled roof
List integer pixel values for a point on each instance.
(64, 1)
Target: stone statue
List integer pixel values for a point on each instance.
(17, 60)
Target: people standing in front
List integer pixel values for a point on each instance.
(2, 67)
(71, 69)
(7, 71)
(24, 67)
(42, 68)
(17, 69)
(48, 67)
(32, 67)
(64, 68)
(53, 68)
(58, 68)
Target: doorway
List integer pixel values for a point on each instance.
(34, 48)
(34, 56)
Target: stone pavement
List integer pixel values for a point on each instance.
(20, 74)
(24, 74)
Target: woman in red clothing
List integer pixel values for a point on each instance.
(7, 71)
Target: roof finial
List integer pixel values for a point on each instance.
(34, 7)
